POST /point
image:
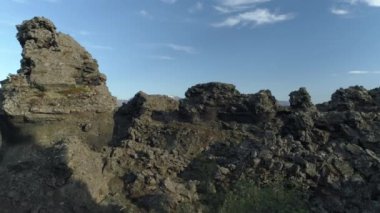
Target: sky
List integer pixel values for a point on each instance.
(167, 46)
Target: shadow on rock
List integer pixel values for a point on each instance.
(42, 179)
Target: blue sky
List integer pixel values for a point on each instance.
(166, 46)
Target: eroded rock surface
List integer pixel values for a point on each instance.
(58, 81)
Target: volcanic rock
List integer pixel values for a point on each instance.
(300, 100)
(57, 90)
(355, 98)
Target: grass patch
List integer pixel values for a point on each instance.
(248, 197)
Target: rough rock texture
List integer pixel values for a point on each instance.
(216, 101)
(218, 136)
(66, 177)
(172, 155)
(355, 98)
(58, 81)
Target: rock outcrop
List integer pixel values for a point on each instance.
(217, 136)
(355, 98)
(217, 101)
(58, 89)
(171, 155)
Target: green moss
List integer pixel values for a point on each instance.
(74, 90)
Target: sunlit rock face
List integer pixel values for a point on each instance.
(58, 88)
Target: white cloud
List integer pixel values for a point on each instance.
(231, 6)
(233, 3)
(362, 72)
(358, 72)
(255, 17)
(339, 11)
(371, 3)
(198, 6)
(169, 1)
(181, 48)
(225, 10)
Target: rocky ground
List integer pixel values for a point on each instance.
(169, 155)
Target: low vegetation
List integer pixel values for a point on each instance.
(246, 196)
(74, 90)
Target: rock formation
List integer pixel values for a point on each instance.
(171, 155)
(218, 136)
(58, 81)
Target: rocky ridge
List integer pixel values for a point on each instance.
(168, 154)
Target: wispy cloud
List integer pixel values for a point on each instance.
(162, 57)
(182, 48)
(233, 3)
(371, 3)
(198, 6)
(232, 6)
(170, 46)
(339, 11)
(169, 1)
(143, 13)
(254, 18)
(362, 72)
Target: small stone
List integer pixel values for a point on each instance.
(311, 169)
(344, 168)
(169, 185)
(224, 170)
(354, 149)
(373, 155)
(151, 181)
(256, 162)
